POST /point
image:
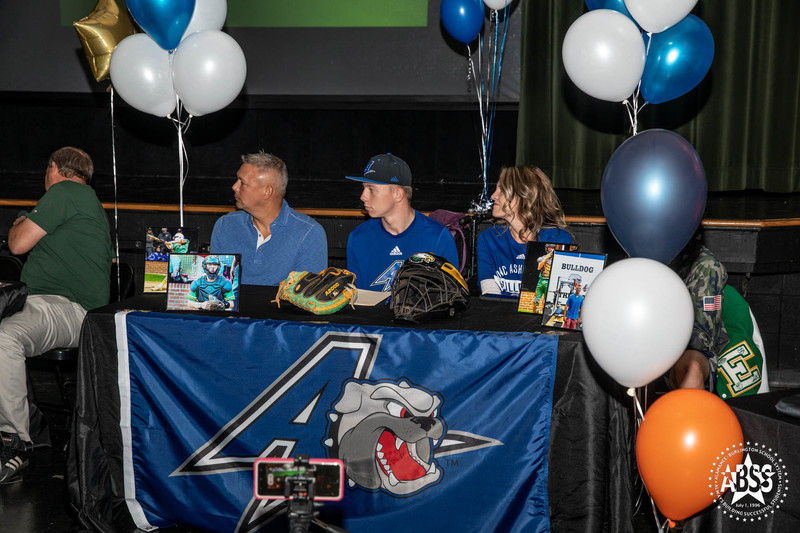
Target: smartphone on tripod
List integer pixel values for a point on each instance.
(284, 479)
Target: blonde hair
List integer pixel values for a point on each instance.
(409, 192)
(538, 203)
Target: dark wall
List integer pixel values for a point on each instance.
(320, 140)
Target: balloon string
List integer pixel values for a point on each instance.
(114, 176)
(496, 68)
(639, 413)
(491, 70)
(488, 92)
(477, 78)
(183, 159)
(499, 69)
(490, 52)
(663, 527)
(633, 107)
(637, 407)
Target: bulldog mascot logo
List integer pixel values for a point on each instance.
(386, 433)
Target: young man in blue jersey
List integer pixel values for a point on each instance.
(377, 247)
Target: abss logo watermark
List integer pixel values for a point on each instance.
(756, 488)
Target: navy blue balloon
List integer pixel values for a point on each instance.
(677, 60)
(164, 21)
(653, 194)
(463, 19)
(614, 5)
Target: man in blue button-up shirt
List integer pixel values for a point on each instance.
(273, 238)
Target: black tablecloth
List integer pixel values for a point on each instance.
(591, 440)
(762, 424)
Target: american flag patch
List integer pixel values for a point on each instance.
(712, 303)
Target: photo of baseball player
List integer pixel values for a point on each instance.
(212, 291)
(571, 273)
(158, 247)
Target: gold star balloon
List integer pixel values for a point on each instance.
(100, 32)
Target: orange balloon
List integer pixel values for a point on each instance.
(682, 438)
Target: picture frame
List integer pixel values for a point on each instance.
(535, 274)
(194, 284)
(160, 241)
(571, 277)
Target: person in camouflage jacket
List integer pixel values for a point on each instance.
(705, 278)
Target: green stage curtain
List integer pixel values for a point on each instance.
(743, 119)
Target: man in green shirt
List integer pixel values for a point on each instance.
(67, 272)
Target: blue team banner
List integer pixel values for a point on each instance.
(438, 430)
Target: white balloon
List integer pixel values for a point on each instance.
(496, 4)
(656, 16)
(208, 15)
(604, 54)
(140, 73)
(208, 71)
(637, 320)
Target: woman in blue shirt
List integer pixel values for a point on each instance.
(530, 210)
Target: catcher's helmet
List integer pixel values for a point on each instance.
(427, 284)
(211, 260)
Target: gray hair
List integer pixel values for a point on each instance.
(264, 162)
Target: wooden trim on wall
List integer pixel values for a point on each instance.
(712, 223)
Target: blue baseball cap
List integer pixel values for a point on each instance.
(385, 169)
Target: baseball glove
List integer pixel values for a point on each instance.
(322, 293)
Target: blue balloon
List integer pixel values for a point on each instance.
(463, 19)
(614, 5)
(164, 21)
(677, 60)
(653, 194)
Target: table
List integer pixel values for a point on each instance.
(589, 458)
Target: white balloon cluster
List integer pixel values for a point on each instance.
(604, 51)
(206, 71)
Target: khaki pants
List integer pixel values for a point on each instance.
(45, 322)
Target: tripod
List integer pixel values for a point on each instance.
(299, 489)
